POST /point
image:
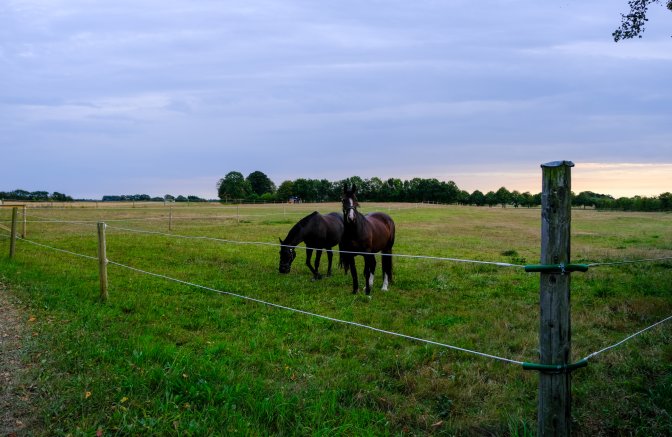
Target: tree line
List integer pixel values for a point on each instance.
(34, 196)
(148, 198)
(45, 196)
(257, 186)
(234, 187)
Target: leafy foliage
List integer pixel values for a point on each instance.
(260, 183)
(632, 24)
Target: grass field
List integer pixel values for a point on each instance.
(162, 357)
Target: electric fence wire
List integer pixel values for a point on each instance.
(259, 243)
(275, 305)
(392, 333)
(630, 337)
(307, 313)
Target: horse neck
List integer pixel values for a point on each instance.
(295, 235)
(359, 226)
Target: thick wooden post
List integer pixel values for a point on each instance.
(12, 237)
(102, 261)
(554, 414)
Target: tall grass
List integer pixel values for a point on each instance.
(165, 358)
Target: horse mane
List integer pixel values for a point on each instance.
(296, 229)
(304, 221)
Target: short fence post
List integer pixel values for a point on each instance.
(554, 408)
(170, 218)
(23, 232)
(102, 261)
(12, 237)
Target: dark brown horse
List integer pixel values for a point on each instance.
(367, 234)
(317, 231)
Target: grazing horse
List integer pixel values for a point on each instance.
(318, 232)
(368, 234)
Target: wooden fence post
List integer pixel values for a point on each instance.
(23, 232)
(12, 237)
(170, 218)
(554, 408)
(102, 261)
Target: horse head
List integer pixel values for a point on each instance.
(287, 255)
(350, 204)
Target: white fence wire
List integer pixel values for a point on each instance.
(335, 320)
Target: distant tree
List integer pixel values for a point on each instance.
(632, 24)
(233, 186)
(477, 198)
(463, 197)
(325, 191)
(362, 192)
(307, 189)
(60, 197)
(583, 200)
(285, 190)
(527, 199)
(503, 196)
(180, 198)
(267, 197)
(20, 195)
(665, 201)
(169, 198)
(395, 188)
(588, 198)
(374, 186)
(260, 183)
(491, 199)
(516, 198)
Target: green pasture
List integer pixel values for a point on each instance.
(166, 358)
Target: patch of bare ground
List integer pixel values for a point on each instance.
(15, 395)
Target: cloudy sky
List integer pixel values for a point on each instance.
(167, 97)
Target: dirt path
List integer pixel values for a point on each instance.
(14, 396)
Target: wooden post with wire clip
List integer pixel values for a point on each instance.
(554, 406)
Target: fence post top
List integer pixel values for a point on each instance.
(557, 164)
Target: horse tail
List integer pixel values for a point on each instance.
(387, 260)
(387, 265)
(344, 261)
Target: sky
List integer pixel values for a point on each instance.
(167, 97)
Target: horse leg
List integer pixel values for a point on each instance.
(353, 273)
(330, 257)
(309, 257)
(372, 271)
(318, 255)
(387, 269)
(369, 269)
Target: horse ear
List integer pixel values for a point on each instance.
(280, 240)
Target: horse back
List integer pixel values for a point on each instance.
(382, 231)
(326, 230)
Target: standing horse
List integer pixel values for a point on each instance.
(318, 232)
(370, 234)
